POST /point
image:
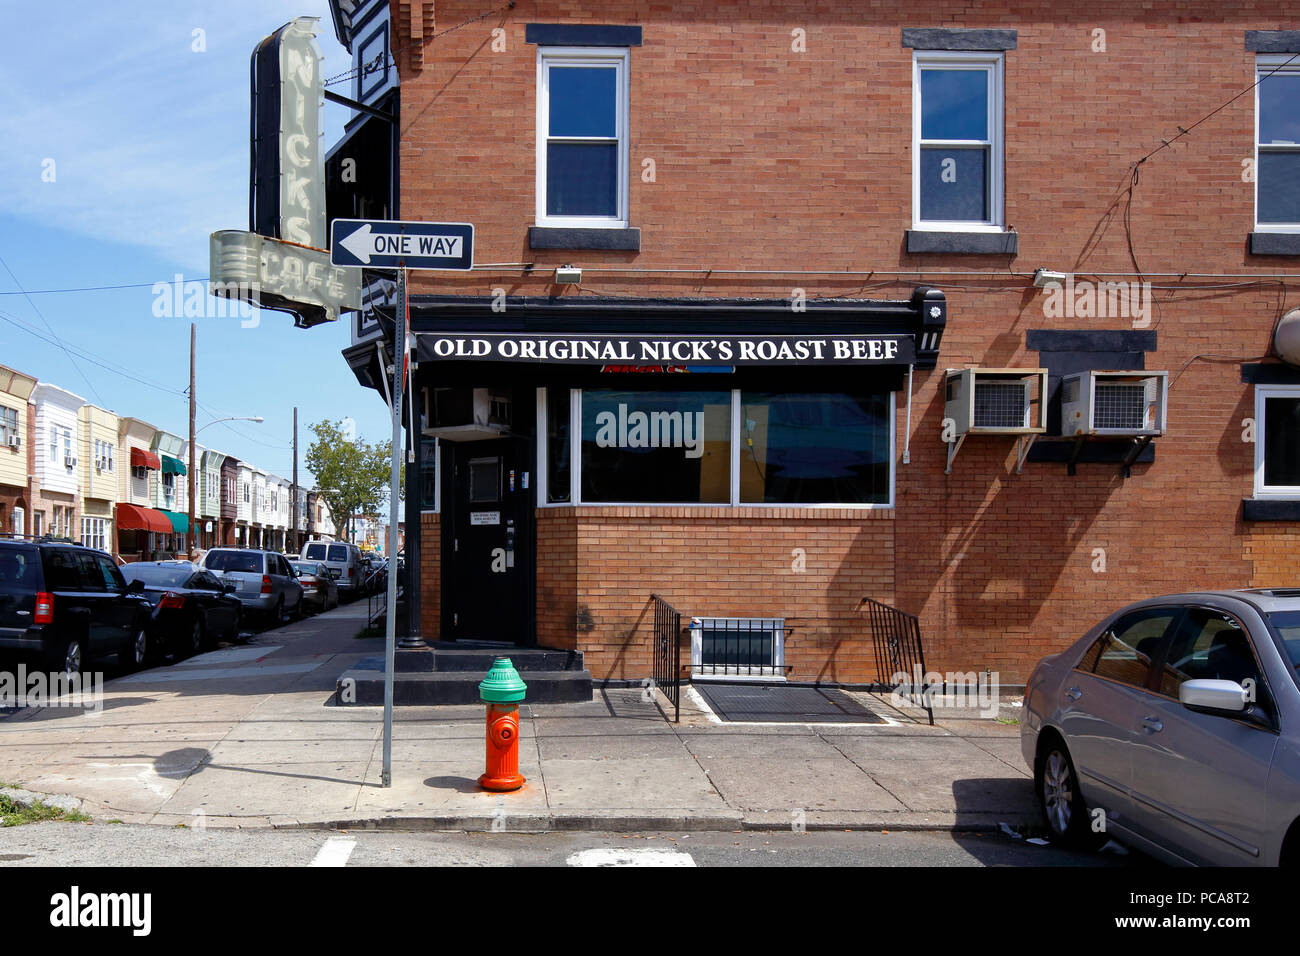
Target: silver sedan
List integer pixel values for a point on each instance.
(1174, 726)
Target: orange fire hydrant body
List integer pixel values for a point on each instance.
(502, 749)
(502, 690)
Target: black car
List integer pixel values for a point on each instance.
(71, 604)
(192, 609)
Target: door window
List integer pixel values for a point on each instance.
(111, 576)
(485, 479)
(1126, 649)
(61, 571)
(89, 577)
(1210, 645)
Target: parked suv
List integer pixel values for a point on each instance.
(344, 563)
(71, 604)
(266, 585)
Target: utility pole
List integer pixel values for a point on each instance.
(293, 489)
(189, 532)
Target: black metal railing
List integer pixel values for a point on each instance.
(668, 653)
(376, 605)
(740, 647)
(900, 658)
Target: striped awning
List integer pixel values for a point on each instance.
(138, 518)
(144, 459)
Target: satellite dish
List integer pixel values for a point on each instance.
(1286, 338)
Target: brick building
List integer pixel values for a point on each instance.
(884, 180)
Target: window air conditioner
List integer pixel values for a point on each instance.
(15, 441)
(996, 401)
(69, 461)
(466, 414)
(1129, 404)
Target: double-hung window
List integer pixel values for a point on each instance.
(582, 137)
(1277, 441)
(957, 141)
(1277, 161)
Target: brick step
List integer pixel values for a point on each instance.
(364, 687)
(477, 659)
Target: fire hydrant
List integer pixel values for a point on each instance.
(502, 690)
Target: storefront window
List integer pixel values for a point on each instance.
(807, 448)
(429, 474)
(559, 454)
(656, 447)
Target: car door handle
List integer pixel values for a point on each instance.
(1073, 693)
(1152, 725)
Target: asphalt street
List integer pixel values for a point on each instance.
(128, 845)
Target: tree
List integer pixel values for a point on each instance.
(352, 475)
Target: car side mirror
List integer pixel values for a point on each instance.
(228, 589)
(135, 587)
(1224, 696)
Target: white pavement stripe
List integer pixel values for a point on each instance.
(615, 856)
(163, 675)
(335, 852)
(230, 655)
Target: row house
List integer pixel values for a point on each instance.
(230, 498)
(976, 310)
(54, 457)
(207, 509)
(142, 530)
(15, 393)
(99, 461)
(169, 487)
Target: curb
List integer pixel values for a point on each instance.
(64, 801)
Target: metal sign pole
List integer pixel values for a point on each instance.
(400, 354)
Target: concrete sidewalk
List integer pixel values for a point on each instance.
(248, 737)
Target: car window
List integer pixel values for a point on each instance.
(250, 561)
(112, 577)
(61, 571)
(1125, 650)
(89, 577)
(162, 576)
(19, 573)
(202, 581)
(316, 552)
(1210, 645)
(339, 552)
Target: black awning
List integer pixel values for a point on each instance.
(697, 332)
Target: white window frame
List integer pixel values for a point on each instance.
(575, 465)
(1262, 393)
(1265, 64)
(619, 58)
(994, 65)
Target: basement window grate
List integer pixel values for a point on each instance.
(738, 647)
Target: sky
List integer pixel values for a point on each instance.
(123, 146)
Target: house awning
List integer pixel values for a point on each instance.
(144, 459)
(137, 518)
(172, 466)
(179, 523)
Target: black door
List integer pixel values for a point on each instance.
(487, 541)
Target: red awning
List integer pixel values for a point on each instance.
(136, 518)
(144, 459)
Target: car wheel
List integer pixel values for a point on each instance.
(68, 658)
(277, 616)
(1068, 819)
(196, 639)
(138, 652)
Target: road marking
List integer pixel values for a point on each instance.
(165, 674)
(335, 852)
(615, 856)
(230, 655)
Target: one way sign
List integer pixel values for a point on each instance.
(390, 244)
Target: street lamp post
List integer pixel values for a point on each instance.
(189, 536)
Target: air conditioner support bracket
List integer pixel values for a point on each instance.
(953, 448)
(1023, 445)
(1139, 446)
(1075, 452)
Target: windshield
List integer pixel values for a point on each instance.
(316, 552)
(154, 576)
(338, 552)
(306, 567)
(234, 561)
(20, 571)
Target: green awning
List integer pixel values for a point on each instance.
(172, 466)
(180, 522)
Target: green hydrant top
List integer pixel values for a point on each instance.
(502, 684)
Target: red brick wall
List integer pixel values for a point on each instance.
(768, 159)
(430, 576)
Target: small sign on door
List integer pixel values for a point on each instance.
(485, 517)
